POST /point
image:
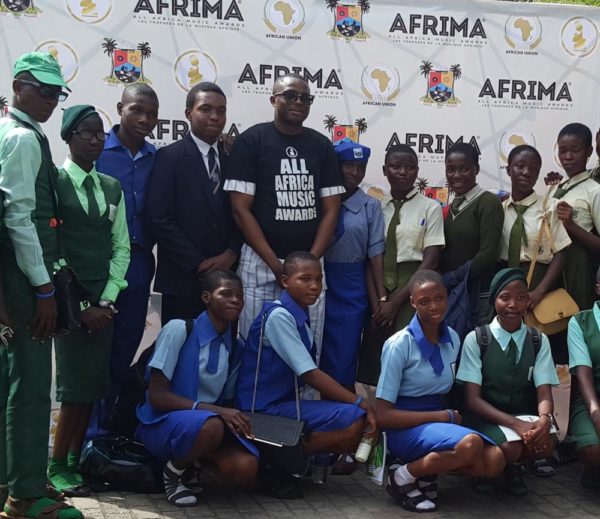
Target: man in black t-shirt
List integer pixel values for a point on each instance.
(285, 188)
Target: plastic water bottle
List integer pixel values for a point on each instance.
(364, 449)
(320, 468)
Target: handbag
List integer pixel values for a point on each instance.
(278, 438)
(121, 464)
(551, 315)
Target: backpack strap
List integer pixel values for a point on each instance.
(536, 339)
(189, 326)
(483, 334)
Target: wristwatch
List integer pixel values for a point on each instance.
(105, 303)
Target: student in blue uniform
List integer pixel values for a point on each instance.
(333, 424)
(509, 379)
(185, 418)
(417, 370)
(584, 362)
(358, 241)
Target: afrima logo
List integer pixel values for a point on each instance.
(427, 29)
(259, 79)
(430, 147)
(219, 14)
(170, 130)
(511, 93)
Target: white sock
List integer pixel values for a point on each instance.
(402, 476)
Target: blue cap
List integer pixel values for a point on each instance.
(353, 151)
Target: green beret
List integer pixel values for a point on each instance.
(504, 277)
(72, 116)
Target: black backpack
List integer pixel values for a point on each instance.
(123, 420)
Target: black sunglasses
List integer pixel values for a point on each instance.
(291, 96)
(47, 91)
(87, 135)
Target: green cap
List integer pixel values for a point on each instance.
(42, 66)
(72, 116)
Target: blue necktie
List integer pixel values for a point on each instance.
(213, 355)
(436, 361)
(339, 230)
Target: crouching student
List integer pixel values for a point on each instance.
(184, 419)
(584, 362)
(334, 424)
(417, 371)
(96, 245)
(507, 374)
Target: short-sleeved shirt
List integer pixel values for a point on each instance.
(584, 198)
(212, 387)
(532, 218)
(287, 175)
(421, 225)
(360, 230)
(405, 366)
(579, 353)
(469, 370)
(281, 334)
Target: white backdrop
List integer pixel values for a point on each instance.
(510, 72)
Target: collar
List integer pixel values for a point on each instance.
(113, 141)
(596, 310)
(428, 349)
(207, 332)
(580, 177)
(203, 146)
(78, 175)
(27, 118)
(299, 314)
(528, 200)
(357, 201)
(388, 199)
(472, 193)
(503, 337)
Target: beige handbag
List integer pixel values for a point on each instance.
(551, 315)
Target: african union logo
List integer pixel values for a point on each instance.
(193, 67)
(89, 11)
(19, 7)
(440, 84)
(380, 82)
(348, 19)
(126, 62)
(523, 32)
(511, 139)
(65, 55)
(579, 36)
(284, 16)
(344, 132)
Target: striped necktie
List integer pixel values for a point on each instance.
(214, 172)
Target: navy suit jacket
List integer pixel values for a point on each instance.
(189, 222)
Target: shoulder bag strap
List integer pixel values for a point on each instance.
(544, 228)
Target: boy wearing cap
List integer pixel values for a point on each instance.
(27, 254)
(90, 204)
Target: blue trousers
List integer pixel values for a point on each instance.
(129, 325)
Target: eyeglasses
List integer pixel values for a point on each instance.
(291, 96)
(47, 91)
(87, 135)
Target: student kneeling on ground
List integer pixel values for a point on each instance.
(184, 419)
(334, 424)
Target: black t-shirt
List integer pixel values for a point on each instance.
(291, 173)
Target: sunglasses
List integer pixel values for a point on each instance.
(47, 91)
(291, 96)
(87, 135)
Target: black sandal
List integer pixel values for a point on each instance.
(410, 503)
(428, 485)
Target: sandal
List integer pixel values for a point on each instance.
(43, 508)
(514, 482)
(177, 493)
(400, 494)
(543, 468)
(428, 486)
(344, 465)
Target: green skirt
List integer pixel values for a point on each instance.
(369, 355)
(581, 429)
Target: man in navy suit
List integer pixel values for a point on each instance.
(187, 210)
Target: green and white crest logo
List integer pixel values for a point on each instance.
(193, 67)
(284, 16)
(89, 11)
(65, 55)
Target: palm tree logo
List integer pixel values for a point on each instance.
(126, 65)
(421, 184)
(3, 105)
(348, 19)
(344, 132)
(440, 84)
(361, 126)
(330, 121)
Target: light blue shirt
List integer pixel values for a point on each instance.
(281, 334)
(212, 387)
(579, 353)
(469, 370)
(405, 371)
(363, 230)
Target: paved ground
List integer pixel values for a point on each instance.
(355, 497)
